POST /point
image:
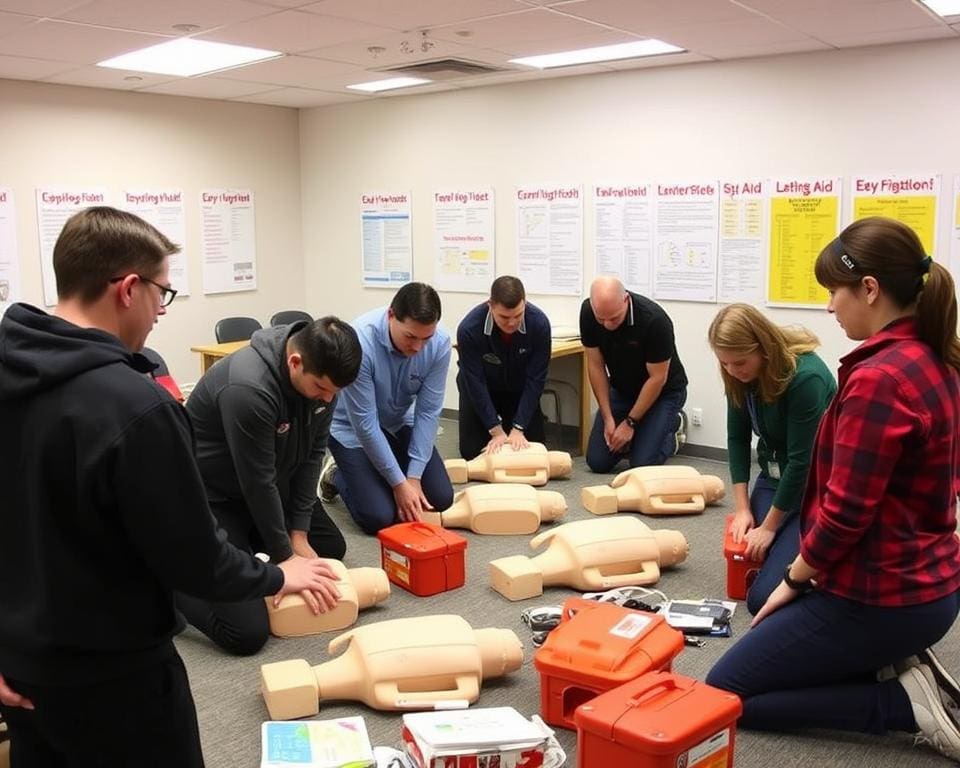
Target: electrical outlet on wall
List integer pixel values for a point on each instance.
(696, 417)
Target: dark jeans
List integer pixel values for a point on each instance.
(243, 628)
(783, 550)
(813, 664)
(474, 436)
(369, 498)
(144, 719)
(654, 439)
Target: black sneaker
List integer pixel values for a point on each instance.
(328, 488)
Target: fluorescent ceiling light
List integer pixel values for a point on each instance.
(390, 84)
(943, 7)
(186, 56)
(632, 50)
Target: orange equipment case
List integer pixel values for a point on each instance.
(596, 647)
(423, 559)
(740, 571)
(659, 720)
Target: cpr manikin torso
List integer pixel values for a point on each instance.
(403, 664)
(534, 466)
(359, 588)
(667, 490)
(509, 508)
(590, 555)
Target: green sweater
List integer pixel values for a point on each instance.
(786, 428)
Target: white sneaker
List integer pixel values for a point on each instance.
(328, 488)
(680, 437)
(948, 685)
(934, 724)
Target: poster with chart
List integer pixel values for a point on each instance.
(463, 240)
(9, 257)
(910, 199)
(804, 218)
(741, 267)
(386, 249)
(685, 241)
(550, 238)
(623, 233)
(228, 241)
(163, 208)
(54, 206)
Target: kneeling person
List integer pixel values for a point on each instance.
(262, 418)
(503, 350)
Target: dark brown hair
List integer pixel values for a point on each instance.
(507, 291)
(892, 253)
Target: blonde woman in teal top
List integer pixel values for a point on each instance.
(777, 388)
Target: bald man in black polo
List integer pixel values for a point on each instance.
(636, 377)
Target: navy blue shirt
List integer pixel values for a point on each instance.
(644, 336)
(490, 364)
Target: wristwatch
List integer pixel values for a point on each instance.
(630, 422)
(796, 586)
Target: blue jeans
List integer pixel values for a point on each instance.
(367, 495)
(813, 663)
(783, 550)
(653, 439)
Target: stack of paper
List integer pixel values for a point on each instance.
(564, 332)
(339, 743)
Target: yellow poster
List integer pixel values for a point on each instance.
(918, 213)
(800, 227)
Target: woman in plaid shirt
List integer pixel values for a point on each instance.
(844, 641)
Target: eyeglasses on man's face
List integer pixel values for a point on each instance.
(167, 294)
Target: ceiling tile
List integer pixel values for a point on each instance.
(521, 27)
(722, 51)
(299, 97)
(537, 47)
(101, 77)
(40, 7)
(159, 17)
(294, 31)
(857, 18)
(207, 87)
(76, 43)
(649, 62)
(705, 38)
(891, 36)
(284, 3)
(13, 22)
(641, 16)
(297, 71)
(412, 15)
(19, 68)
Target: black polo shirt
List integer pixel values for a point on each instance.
(644, 336)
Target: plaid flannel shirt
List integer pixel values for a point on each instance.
(880, 508)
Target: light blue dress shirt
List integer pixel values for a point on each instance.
(390, 391)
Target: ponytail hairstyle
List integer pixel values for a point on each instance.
(892, 253)
(742, 329)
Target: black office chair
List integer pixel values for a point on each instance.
(288, 316)
(235, 329)
(154, 357)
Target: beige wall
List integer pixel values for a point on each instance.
(62, 135)
(857, 111)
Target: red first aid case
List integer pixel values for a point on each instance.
(421, 558)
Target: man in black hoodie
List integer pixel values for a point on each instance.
(262, 417)
(104, 515)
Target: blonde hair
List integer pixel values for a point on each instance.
(742, 330)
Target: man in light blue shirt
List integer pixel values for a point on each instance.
(384, 427)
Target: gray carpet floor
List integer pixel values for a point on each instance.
(230, 708)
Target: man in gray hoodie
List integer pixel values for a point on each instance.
(261, 418)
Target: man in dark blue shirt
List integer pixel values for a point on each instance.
(504, 352)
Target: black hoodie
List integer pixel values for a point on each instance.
(103, 513)
(259, 441)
